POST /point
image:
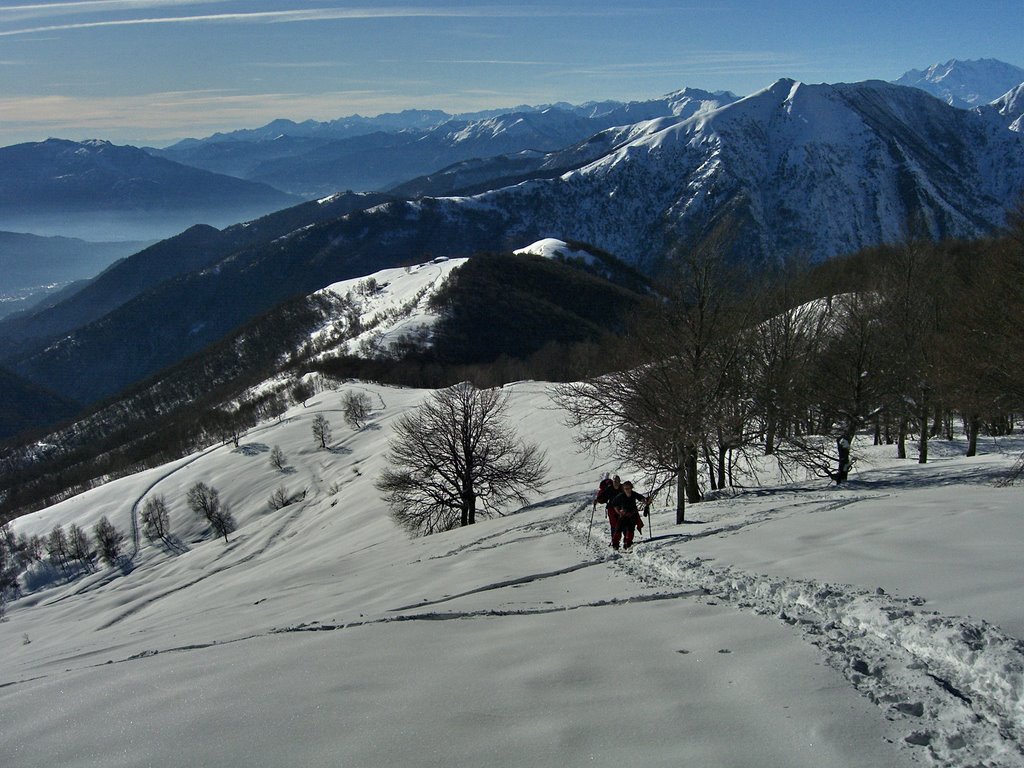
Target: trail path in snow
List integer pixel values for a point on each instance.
(956, 685)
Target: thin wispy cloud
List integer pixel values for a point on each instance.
(299, 64)
(29, 11)
(498, 62)
(175, 114)
(79, 6)
(284, 16)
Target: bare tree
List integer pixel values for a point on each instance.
(848, 382)
(109, 541)
(781, 346)
(155, 519)
(453, 453)
(356, 407)
(277, 458)
(321, 430)
(279, 498)
(205, 501)
(908, 308)
(57, 549)
(223, 522)
(30, 549)
(8, 572)
(301, 392)
(673, 388)
(80, 548)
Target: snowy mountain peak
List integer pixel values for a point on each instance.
(1011, 106)
(965, 84)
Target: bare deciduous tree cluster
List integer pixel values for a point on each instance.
(924, 335)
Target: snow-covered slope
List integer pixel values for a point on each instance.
(384, 309)
(553, 248)
(794, 626)
(1011, 107)
(965, 84)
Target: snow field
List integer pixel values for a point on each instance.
(780, 629)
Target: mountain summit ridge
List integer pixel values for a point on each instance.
(965, 83)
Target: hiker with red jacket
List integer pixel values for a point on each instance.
(608, 490)
(627, 515)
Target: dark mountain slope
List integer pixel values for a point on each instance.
(25, 405)
(192, 250)
(27, 261)
(183, 315)
(514, 305)
(188, 404)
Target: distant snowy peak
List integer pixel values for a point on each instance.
(547, 130)
(689, 101)
(965, 84)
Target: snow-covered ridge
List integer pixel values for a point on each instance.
(824, 169)
(385, 308)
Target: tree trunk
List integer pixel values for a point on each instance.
(972, 424)
(769, 434)
(692, 481)
(468, 507)
(922, 451)
(711, 466)
(680, 493)
(901, 439)
(936, 423)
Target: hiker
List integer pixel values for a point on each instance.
(607, 491)
(627, 515)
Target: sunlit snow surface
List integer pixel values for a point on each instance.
(791, 625)
(553, 248)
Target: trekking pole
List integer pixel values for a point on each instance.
(592, 510)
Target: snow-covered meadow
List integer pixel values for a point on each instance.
(789, 625)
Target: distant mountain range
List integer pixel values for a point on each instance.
(66, 187)
(314, 159)
(813, 169)
(388, 152)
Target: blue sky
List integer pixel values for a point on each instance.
(151, 71)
